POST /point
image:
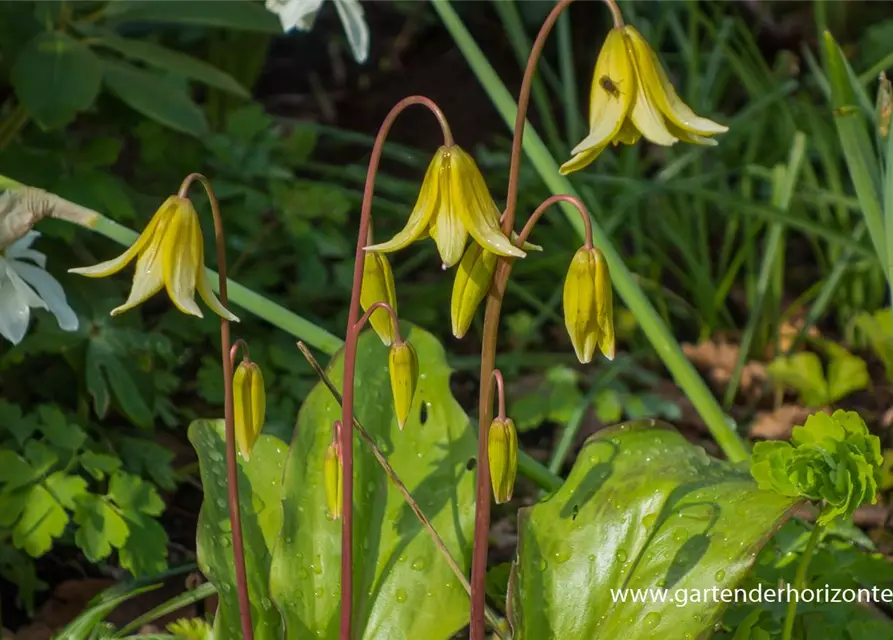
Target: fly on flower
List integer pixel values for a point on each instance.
(632, 97)
(453, 202)
(171, 256)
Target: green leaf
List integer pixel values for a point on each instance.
(149, 458)
(608, 407)
(802, 372)
(55, 76)
(41, 457)
(846, 372)
(172, 61)
(15, 471)
(42, 520)
(260, 503)
(642, 509)
(555, 399)
(84, 626)
(878, 329)
(100, 527)
(229, 14)
(99, 465)
(145, 552)
(66, 489)
(57, 430)
(12, 503)
(104, 371)
(403, 586)
(154, 97)
(131, 493)
(19, 425)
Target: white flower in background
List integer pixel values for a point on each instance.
(300, 14)
(24, 286)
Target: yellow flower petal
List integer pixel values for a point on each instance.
(147, 279)
(580, 160)
(114, 265)
(644, 114)
(608, 110)
(475, 208)
(446, 229)
(662, 93)
(203, 286)
(378, 286)
(628, 134)
(424, 210)
(691, 138)
(181, 249)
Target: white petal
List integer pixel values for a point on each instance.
(14, 313)
(351, 14)
(35, 256)
(21, 244)
(25, 292)
(52, 294)
(293, 14)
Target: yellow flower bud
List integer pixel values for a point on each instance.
(331, 478)
(378, 286)
(473, 278)
(249, 405)
(588, 305)
(502, 452)
(403, 364)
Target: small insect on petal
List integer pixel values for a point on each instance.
(502, 454)
(249, 405)
(403, 364)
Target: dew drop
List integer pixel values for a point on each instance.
(319, 592)
(719, 575)
(303, 573)
(562, 554)
(649, 519)
(621, 555)
(652, 620)
(418, 564)
(591, 557)
(402, 558)
(226, 587)
(400, 595)
(542, 564)
(266, 604)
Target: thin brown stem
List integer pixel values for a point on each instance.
(394, 321)
(234, 351)
(491, 333)
(615, 13)
(548, 202)
(350, 350)
(232, 467)
(511, 202)
(495, 621)
(500, 392)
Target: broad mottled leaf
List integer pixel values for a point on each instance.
(260, 503)
(42, 519)
(154, 97)
(229, 14)
(55, 76)
(403, 586)
(642, 509)
(100, 527)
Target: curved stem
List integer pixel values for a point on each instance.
(500, 392)
(232, 467)
(350, 351)
(548, 202)
(233, 352)
(615, 13)
(511, 202)
(381, 305)
(800, 580)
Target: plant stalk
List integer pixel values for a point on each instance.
(350, 352)
(232, 464)
(800, 580)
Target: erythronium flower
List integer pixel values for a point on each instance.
(171, 255)
(25, 286)
(301, 14)
(632, 97)
(453, 202)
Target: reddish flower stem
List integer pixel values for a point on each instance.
(490, 336)
(548, 202)
(500, 392)
(394, 321)
(226, 360)
(234, 351)
(350, 352)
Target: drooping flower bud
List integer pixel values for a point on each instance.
(403, 364)
(331, 476)
(378, 286)
(588, 305)
(249, 405)
(502, 453)
(884, 105)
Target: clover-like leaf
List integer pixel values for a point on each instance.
(131, 492)
(42, 520)
(101, 527)
(145, 551)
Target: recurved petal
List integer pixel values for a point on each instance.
(203, 286)
(181, 250)
(691, 138)
(581, 159)
(148, 278)
(613, 86)
(425, 208)
(644, 114)
(114, 265)
(662, 93)
(51, 292)
(471, 201)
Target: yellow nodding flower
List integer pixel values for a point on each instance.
(378, 286)
(473, 278)
(171, 256)
(249, 405)
(403, 365)
(331, 480)
(588, 305)
(502, 454)
(631, 97)
(453, 202)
